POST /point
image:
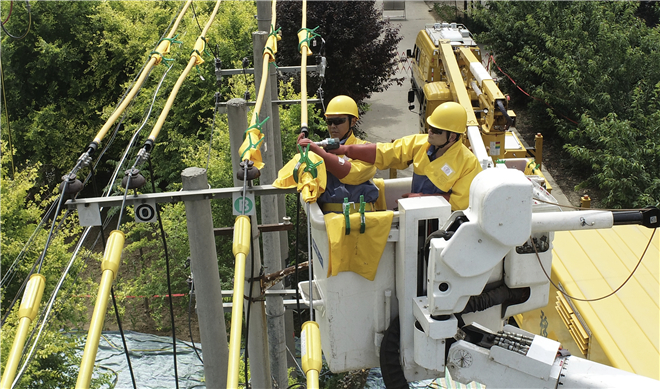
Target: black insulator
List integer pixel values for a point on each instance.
(137, 180)
(92, 148)
(73, 185)
(252, 172)
(148, 145)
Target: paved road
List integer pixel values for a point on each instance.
(389, 117)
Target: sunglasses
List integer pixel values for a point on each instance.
(335, 121)
(436, 131)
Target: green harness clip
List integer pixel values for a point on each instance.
(347, 212)
(363, 225)
(309, 166)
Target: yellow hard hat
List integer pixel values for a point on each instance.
(342, 105)
(449, 116)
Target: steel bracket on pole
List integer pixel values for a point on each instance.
(173, 197)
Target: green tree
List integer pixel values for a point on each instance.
(360, 46)
(54, 363)
(595, 64)
(69, 69)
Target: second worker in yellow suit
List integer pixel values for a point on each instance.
(443, 165)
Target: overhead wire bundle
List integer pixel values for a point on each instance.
(71, 185)
(113, 254)
(251, 160)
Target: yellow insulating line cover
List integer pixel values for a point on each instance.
(310, 336)
(27, 311)
(163, 48)
(195, 59)
(270, 50)
(109, 267)
(170, 99)
(240, 249)
(249, 149)
(304, 51)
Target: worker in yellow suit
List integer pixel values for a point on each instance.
(443, 165)
(345, 178)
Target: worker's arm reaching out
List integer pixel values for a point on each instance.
(365, 152)
(333, 163)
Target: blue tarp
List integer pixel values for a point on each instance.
(151, 359)
(153, 364)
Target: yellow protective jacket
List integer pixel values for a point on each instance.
(454, 170)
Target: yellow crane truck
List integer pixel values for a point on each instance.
(446, 66)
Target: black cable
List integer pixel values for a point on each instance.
(167, 270)
(192, 288)
(195, 17)
(215, 54)
(602, 297)
(247, 320)
(245, 63)
(39, 261)
(4, 98)
(112, 292)
(9, 275)
(52, 227)
(27, 5)
(215, 111)
(123, 339)
(298, 257)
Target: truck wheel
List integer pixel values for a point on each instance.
(390, 366)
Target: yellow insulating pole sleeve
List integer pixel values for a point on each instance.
(310, 350)
(163, 48)
(240, 249)
(109, 267)
(249, 149)
(269, 56)
(170, 100)
(195, 59)
(208, 23)
(115, 115)
(304, 48)
(262, 90)
(27, 311)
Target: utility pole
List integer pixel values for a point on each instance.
(257, 338)
(270, 215)
(206, 278)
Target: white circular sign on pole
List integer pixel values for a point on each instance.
(243, 205)
(145, 212)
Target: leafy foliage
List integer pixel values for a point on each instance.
(595, 64)
(360, 47)
(69, 69)
(55, 364)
